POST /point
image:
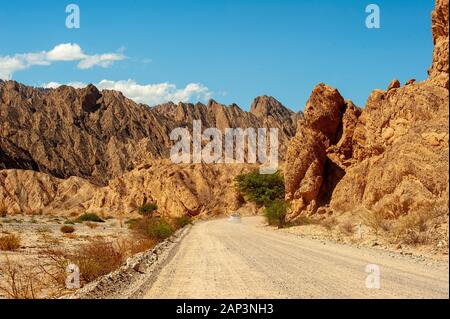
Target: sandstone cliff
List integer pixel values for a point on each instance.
(390, 157)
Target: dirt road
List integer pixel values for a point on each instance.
(222, 259)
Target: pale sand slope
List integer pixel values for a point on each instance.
(221, 259)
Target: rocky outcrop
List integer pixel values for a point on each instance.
(391, 157)
(439, 69)
(400, 153)
(26, 191)
(318, 153)
(100, 136)
(178, 189)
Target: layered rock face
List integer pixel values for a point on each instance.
(439, 69)
(70, 150)
(196, 189)
(391, 157)
(102, 135)
(320, 151)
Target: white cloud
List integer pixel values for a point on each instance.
(54, 85)
(61, 53)
(102, 60)
(66, 52)
(150, 94)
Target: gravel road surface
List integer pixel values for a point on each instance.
(224, 259)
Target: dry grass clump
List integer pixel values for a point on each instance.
(328, 223)
(347, 227)
(18, 281)
(96, 259)
(91, 225)
(374, 219)
(31, 279)
(156, 229)
(67, 229)
(135, 245)
(416, 228)
(3, 210)
(9, 242)
(303, 220)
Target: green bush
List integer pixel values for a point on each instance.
(147, 209)
(275, 213)
(159, 229)
(89, 217)
(183, 221)
(261, 189)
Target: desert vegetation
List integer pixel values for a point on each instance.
(89, 217)
(148, 209)
(265, 190)
(275, 213)
(53, 242)
(67, 229)
(9, 242)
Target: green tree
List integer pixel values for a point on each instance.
(261, 189)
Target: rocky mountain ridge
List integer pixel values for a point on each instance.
(391, 157)
(99, 136)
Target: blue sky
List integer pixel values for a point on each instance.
(232, 50)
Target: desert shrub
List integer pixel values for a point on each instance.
(67, 229)
(414, 228)
(414, 237)
(302, 220)
(90, 217)
(275, 212)
(182, 221)
(261, 189)
(374, 219)
(69, 222)
(91, 225)
(134, 245)
(9, 242)
(347, 227)
(3, 210)
(153, 228)
(96, 259)
(132, 221)
(19, 281)
(159, 229)
(148, 209)
(328, 223)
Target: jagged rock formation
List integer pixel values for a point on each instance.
(177, 189)
(70, 150)
(27, 191)
(191, 189)
(102, 135)
(391, 157)
(319, 152)
(439, 69)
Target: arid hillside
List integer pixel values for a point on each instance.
(390, 158)
(98, 136)
(69, 150)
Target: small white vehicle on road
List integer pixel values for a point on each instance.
(235, 217)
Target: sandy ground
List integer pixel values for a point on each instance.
(39, 232)
(223, 259)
